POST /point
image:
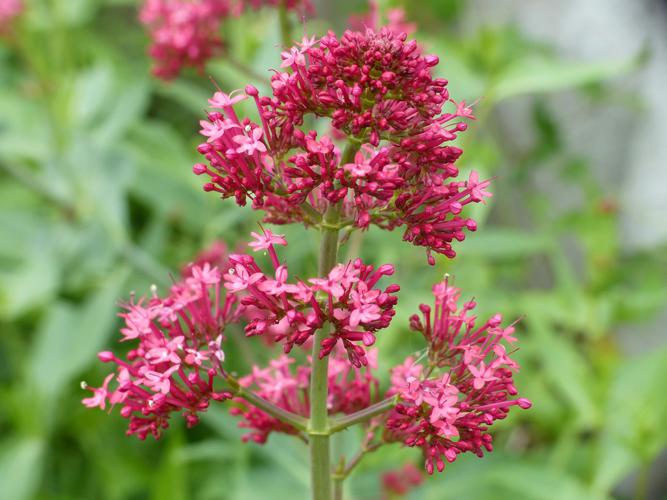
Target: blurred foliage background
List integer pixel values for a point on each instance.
(97, 199)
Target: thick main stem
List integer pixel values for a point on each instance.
(318, 425)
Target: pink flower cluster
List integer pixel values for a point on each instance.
(9, 10)
(399, 482)
(350, 389)
(396, 21)
(178, 356)
(186, 33)
(292, 312)
(374, 87)
(183, 32)
(447, 409)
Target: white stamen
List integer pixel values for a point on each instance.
(84, 385)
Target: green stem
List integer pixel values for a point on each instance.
(318, 426)
(285, 26)
(346, 421)
(338, 488)
(288, 417)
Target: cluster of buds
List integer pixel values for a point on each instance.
(347, 300)
(376, 88)
(9, 10)
(446, 407)
(178, 358)
(285, 385)
(186, 33)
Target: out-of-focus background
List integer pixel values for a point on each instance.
(97, 199)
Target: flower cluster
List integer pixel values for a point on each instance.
(447, 409)
(183, 32)
(396, 21)
(399, 482)
(350, 389)
(187, 32)
(177, 358)
(375, 87)
(291, 313)
(9, 10)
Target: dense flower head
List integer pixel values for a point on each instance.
(399, 166)
(9, 10)
(177, 357)
(286, 384)
(183, 32)
(373, 85)
(291, 312)
(447, 408)
(186, 33)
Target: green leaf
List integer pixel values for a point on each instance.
(69, 338)
(565, 368)
(542, 75)
(20, 467)
(636, 410)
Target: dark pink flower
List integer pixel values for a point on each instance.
(184, 32)
(447, 410)
(178, 356)
(292, 312)
(376, 88)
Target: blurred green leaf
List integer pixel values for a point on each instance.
(20, 467)
(635, 415)
(539, 75)
(70, 336)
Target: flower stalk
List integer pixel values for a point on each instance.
(318, 425)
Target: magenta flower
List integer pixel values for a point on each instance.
(403, 174)
(266, 240)
(447, 410)
(184, 33)
(178, 354)
(100, 394)
(291, 314)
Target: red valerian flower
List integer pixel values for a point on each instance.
(292, 312)
(183, 32)
(447, 409)
(403, 173)
(178, 356)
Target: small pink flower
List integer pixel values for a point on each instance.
(238, 278)
(252, 144)
(293, 57)
(220, 100)
(99, 394)
(265, 240)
